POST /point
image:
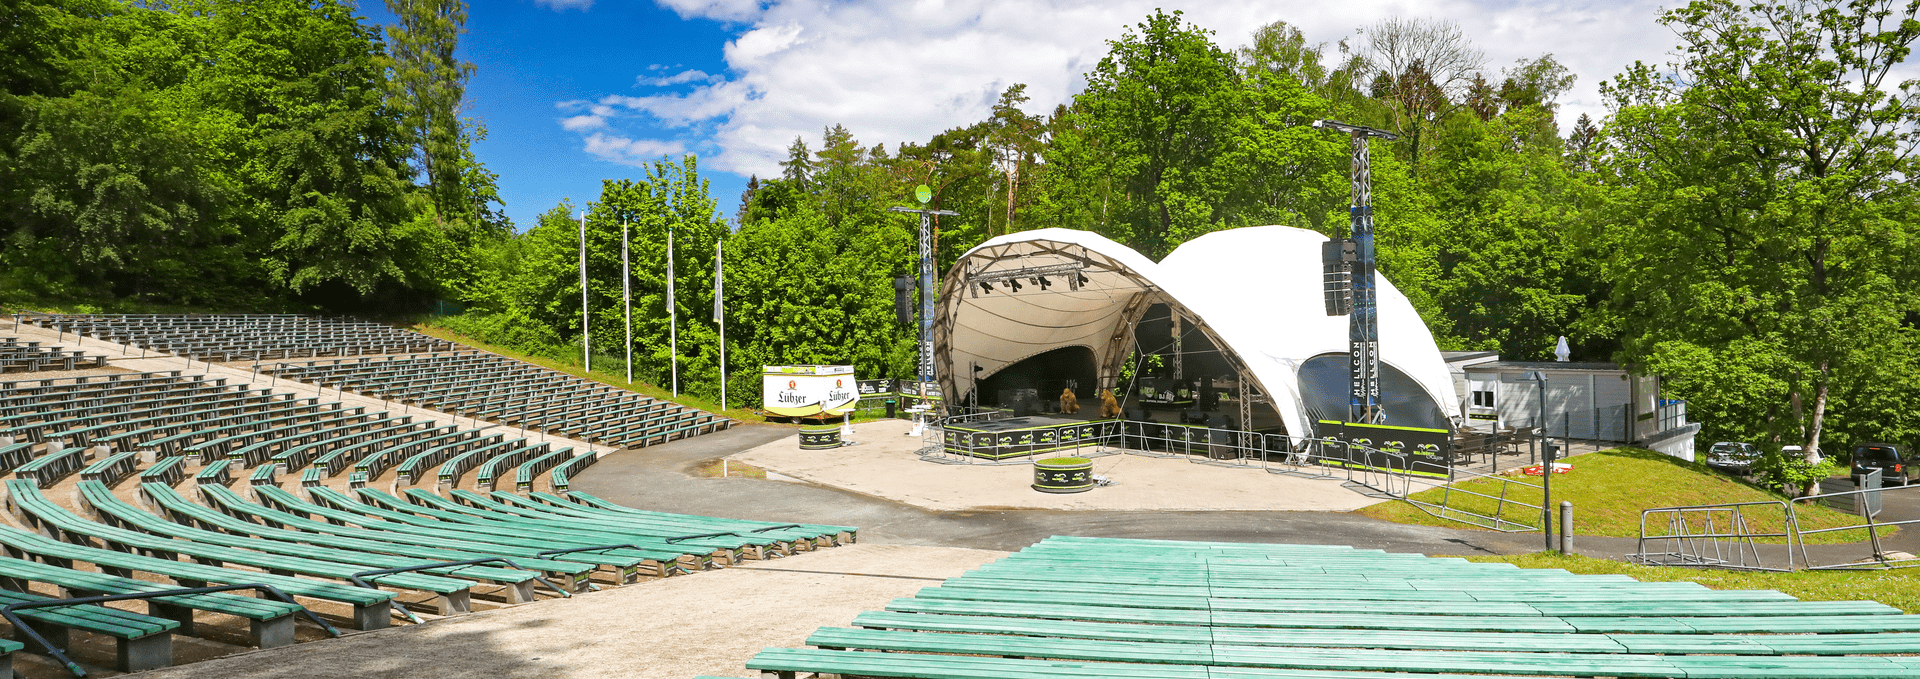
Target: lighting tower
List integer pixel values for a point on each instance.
(926, 283)
(1363, 329)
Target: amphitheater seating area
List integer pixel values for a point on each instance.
(240, 337)
(512, 393)
(28, 357)
(1102, 608)
(301, 512)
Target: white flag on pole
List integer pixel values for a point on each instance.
(718, 291)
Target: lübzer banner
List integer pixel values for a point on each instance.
(807, 390)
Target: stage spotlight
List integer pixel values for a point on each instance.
(986, 287)
(1015, 284)
(1044, 283)
(1082, 277)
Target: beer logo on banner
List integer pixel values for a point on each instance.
(793, 384)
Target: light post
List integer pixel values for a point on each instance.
(926, 284)
(1546, 452)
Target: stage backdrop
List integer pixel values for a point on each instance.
(808, 390)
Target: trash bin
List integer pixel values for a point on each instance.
(1063, 475)
(892, 405)
(819, 436)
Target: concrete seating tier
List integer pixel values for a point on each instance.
(1087, 607)
(512, 393)
(30, 357)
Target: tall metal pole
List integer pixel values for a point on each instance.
(1363, 329)
(586, 336)
(720, 314)
(1546, 466)
(673, 316)
(927, 294)
(626, 295)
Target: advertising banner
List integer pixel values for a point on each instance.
(808, 390)
(1427, 451)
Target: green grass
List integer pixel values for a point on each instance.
(1899, 589)
(1610, 488)
(574, 369)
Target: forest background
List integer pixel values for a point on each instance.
(1741, 222)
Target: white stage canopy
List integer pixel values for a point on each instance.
(1254, 292)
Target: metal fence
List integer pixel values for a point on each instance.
(1732, 535)
(1381, 473)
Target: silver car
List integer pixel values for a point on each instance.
(1733, 457)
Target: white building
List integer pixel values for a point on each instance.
(1585, 401)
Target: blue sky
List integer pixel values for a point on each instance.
(577, 91)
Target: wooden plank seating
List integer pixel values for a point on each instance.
(722, 535)
(117, 513)
(1162, 608)
(141, 642)
(563, 471)
(802, 535)
(524, 474)
(111, 469)
(425, 504)
(840, 535)
(213, 474)
(347, 524)
(170, 471)
(33, 509)
(271, 623)
(58, 463)
(182, 511)
(370, 606)
(658, 561)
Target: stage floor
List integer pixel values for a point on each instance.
(885, 465)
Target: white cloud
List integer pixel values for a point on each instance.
(903, 71)
(687, 76)
(724, 10)
(627, 151)
(564, 5)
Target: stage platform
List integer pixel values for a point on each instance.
(1033, 435)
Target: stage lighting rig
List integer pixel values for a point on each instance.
(1038, 275)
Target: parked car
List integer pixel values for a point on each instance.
(1733, 457)
(1895, 462)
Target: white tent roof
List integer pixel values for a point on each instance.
(1255, 291)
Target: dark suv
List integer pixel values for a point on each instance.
(1895, 462)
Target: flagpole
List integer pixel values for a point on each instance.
(720, 315)
(586, 334)
(626, 296)
(673, 318)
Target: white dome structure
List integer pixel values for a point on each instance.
(1253, 294)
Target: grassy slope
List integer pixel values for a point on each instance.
(1610, 488)
(1899, 589)
(741, 414)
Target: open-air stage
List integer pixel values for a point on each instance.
(884, 464)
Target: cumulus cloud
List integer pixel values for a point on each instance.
(628, 151)
(682, 77)
(563, 5)
(893, 71)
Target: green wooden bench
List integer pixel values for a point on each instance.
(787, 663)
(347, 524)
(141, 642)
(840, 535)
(370, 606)
(524, 474)
(271, 623)
(33, 509)
(119, 514)
(427, 504)
(335, 505)
(213, 474)
(58, 463)
(566, 470)
(111, 469)
(170, 471)
(722, 537)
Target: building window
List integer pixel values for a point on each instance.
(1483, 399)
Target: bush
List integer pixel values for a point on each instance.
(1791, 473)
